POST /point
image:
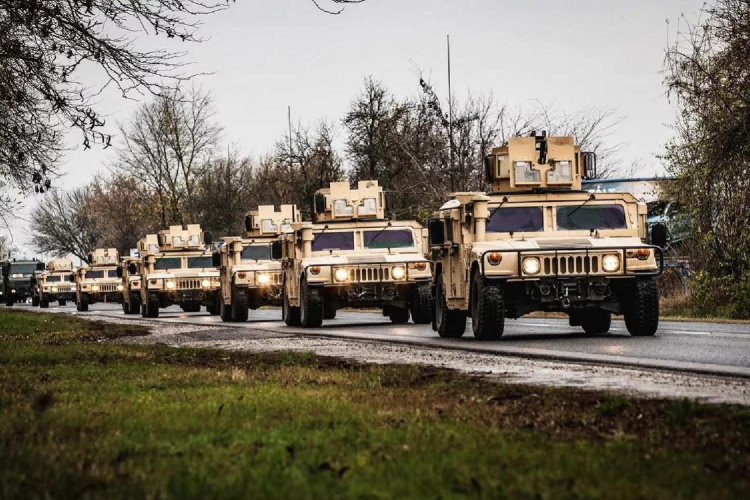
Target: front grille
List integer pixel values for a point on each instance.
(189, 284)
(370, 274)
(64, 289)
(108, 288)
(568, 265)
(276, 279)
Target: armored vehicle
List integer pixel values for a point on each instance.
(249, 277)
(539, 243)
(177, 269)
(99, 281)
(352, 256)
(18, 279)
(56, 284)
(131, 283)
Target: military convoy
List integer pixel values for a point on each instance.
(352, 256)
(249, 276)
(539, 243)
(177, 269)
(535, 242)
(99, 281)
(56, 284)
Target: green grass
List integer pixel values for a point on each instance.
(83, 418)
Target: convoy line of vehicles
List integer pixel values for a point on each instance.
(535, 242)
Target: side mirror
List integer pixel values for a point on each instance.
(388, 202)
(248, 223)
(659, 235)
(589, 165)
(276, 250)
(437, 232)
(132, 268)
(119, 272)
(320, 203)
(216, 259)
(208, 238)
(40, 266)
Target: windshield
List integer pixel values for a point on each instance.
(516, 219)
(22, 268)
(200, 262)
(93, 275)
(261, 252)
(390, 238)
(58, 278)
(333, 241)
(590, 217)
(163, 263)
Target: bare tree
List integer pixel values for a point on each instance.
(64, 223)
(167, 144)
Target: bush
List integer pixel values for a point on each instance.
(720, 296)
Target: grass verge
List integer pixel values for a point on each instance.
(83, 418)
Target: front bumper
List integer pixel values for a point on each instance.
(367, 274)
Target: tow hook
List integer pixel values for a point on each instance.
(565, 302)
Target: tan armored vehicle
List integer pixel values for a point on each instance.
(99, 282)
(56, 284)
(249, 277)
(177, 269)
(352, 256)
(539, 243)
(131, 282)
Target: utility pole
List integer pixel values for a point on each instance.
(450, 117)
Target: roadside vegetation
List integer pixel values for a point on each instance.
(81, 417)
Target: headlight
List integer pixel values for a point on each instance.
(95, 288)
(611, 263)
(531, 266)
(16, 275)
(119, 288)
(263, 279)
(397, 273)
(206, 283)
(341, 274)
(170, 285)
(54, 289)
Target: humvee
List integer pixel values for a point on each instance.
(352, 256)
(537, 242)
(249, 277)
(56, 284)
(18, 279)
(131, 283)
(99, 281)
(177, 269)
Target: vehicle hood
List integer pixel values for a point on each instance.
(559, 243)
(259, 266)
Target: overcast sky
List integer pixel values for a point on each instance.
(265, 55)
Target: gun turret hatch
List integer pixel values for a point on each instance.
(104, 257)
(177, 238)
(341, 203)
(60, 265)
(148, 245)
(539, 162)
(267, 221)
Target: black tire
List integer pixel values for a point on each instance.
(640, 306)
(43, 301)
(596, 321)
(450, 324)
(214, 308)
(125, 307)
(575, 318)
(62, 302)
(35, 300)
(239, 305)
(311, 306)
(290, 315)
(152, 306)
(225, 311)
(135, 304)
(9, 301)
(398, 315)
(329, 311)
(421, 305)
(83, 303)
(487, 309)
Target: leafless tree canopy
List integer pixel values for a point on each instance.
(64, 223)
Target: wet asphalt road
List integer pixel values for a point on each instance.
(699, 347)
